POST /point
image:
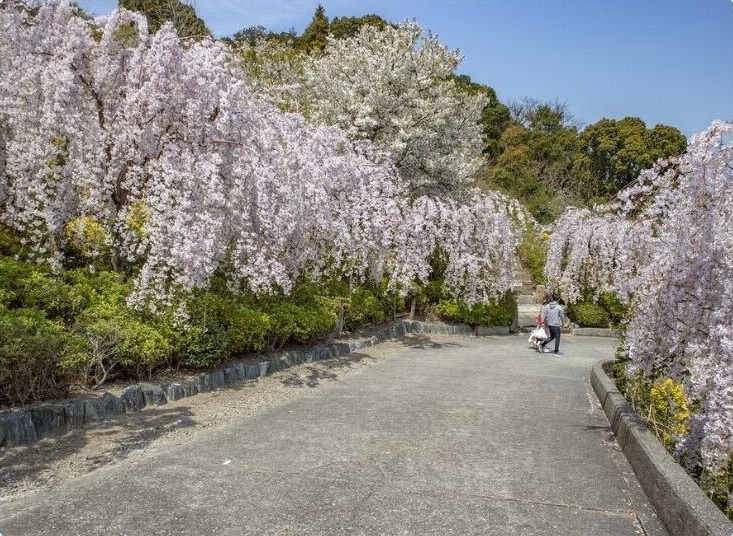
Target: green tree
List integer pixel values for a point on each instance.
(535, 163)
(316, 33)
(346, 27)
(249, 36)
(495, 116)
(158, 12)
(612, 153)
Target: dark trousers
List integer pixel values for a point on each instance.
(554, 335)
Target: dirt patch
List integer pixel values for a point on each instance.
(53, 461)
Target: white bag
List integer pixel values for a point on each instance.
(539, 333)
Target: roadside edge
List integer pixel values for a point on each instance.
(680, 503)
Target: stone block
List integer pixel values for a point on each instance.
(217, 379)
(595, 332)
(153, 394)
(287, 360)
(230, 376)
(327, 352)
(483, 331)
(48, 419)
(112, 404)
(74, 413)
(401, 329)
(174, 391)
(132, 398)
(295, 357)
(203, 383)
(418, 327)
(190, 387)
(94, 410)
(276, 364)
(239, 370)
(16, 428)
(252, 371)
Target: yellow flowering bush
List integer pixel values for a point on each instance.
(137, 217)
(87, 236)
(668, 411)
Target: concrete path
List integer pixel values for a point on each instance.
(466, 436)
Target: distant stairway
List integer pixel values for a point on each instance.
(529, 300)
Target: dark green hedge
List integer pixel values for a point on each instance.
(498, 313)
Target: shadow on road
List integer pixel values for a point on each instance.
(121, 435)
(311, 375)
(425, 342)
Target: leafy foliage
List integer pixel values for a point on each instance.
(181, 15)
(532, 252)
(497, 313)
(35, 356)
(588, 314)
(613, 153)
(365, 306)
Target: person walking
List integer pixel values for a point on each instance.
(553, 317)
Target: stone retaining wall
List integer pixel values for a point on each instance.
(28, 425)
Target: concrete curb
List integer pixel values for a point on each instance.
(680, 503)
(28, 425)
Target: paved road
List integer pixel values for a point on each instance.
(467, 436)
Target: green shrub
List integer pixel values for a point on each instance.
(719, 487)
(300, 324)
(669, 412)
(233, 327)
(201, 346)
(91, 288)
(246, 330)
(119, 339)
(144, 348)
(619, 367)
(10, 243)
(51, 295)
(363, 307)
(497, 313)
(588, 315)
(428, 293)
(532, 252)
(36, 355)
(203, 342)
(452, 311)
(13, 275)
(62, 296)
(616, 310)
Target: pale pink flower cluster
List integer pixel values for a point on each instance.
(664, 245)
(190, 171)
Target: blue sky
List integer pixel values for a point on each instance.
(665, 61)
